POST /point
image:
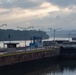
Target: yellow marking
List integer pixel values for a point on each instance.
(26, 52)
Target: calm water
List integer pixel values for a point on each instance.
(67, 67)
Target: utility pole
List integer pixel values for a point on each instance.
(54, 32)
(25, 31)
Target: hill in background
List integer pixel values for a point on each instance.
(62, 33)
(10, 34)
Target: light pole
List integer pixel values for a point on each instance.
(3, 25)
(54, 31)
(50, 31)
(25, 31)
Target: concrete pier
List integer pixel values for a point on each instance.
(24, 56)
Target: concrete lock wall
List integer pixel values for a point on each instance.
(8, 59)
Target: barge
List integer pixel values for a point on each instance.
(68, 50)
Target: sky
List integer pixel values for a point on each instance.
(42, 14)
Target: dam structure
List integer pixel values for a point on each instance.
(35, 51)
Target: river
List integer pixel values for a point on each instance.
(48, 67)
(61, 67)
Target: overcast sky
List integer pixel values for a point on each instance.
(41, 14)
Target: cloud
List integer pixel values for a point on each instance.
(63, 3)
(3, 10)
(18, 3)
(34, 3)
(37, 12)
(42, 12)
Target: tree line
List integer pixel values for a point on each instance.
(10, 34)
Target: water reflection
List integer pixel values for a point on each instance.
(61, 67)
